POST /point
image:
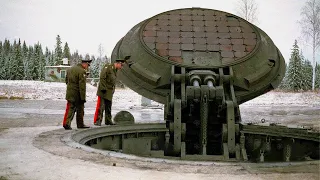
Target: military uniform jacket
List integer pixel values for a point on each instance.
(107, 82)
(76, 84)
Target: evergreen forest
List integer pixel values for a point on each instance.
(20, 61)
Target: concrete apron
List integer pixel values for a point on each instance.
(48, 153)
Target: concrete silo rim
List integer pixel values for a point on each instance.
(60, 143)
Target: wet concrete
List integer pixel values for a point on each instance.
(33, 113)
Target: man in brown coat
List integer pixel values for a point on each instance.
(76, 94)
(105, 92)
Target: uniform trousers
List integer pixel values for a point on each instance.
(71, 109)
(103, 105)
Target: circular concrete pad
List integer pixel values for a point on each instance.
(58, 142)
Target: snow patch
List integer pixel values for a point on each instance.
(39, 90)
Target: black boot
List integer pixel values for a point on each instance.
(109, 123)
(67, 127)
(83, 127)
(97, 123)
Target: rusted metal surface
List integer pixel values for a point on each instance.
(171, 33)
(198, 38)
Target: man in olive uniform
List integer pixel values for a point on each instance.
(76, 94)
(105, 92)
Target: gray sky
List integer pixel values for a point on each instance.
(85, 24)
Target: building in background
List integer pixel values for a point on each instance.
(57, 73)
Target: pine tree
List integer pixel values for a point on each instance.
(41, 62)
(295, 76)
(34, 63)
(75, 58)
(66, 51)
(80, 58)
(17, 72)
(307, 74)
(94, 67)
(49, 59)
(25, 60)
(31, 63)
(284, 83)
(87, 56)
(58, 51)
(12, 62)
(52, 59)
(317, 80)
(47, 56)
(1, 62)
(6, 57)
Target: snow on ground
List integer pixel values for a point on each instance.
(39, 90)
(286, 98)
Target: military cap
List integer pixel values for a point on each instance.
(123, 60)
(120, 60)
(86, 61)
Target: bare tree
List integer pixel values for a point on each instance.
(310, 24)
(247, 9)
(101, 60)
(100, 51)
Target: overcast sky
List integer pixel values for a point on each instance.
(85, 24)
